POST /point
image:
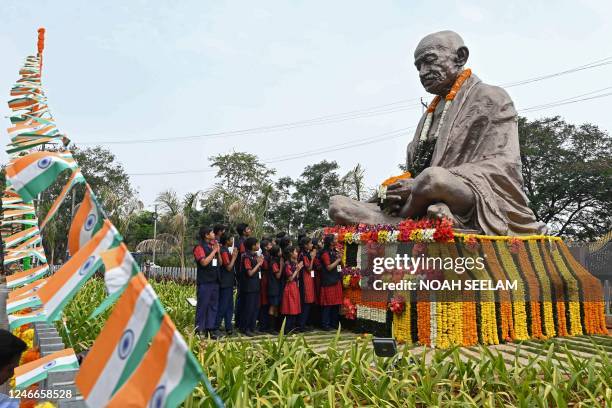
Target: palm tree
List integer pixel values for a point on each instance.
(353, 182)
(175, 215)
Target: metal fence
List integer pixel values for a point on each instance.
(160, 272)
(170, 272)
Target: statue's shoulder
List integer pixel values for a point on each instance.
(494, 93)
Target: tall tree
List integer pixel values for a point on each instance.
(314, 187)
(243, 191)
(283, 212)
(353, 183)
(567, 171)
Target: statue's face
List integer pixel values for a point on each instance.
(438, 68)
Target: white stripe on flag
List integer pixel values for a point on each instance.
(117, 278)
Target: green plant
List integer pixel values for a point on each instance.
(339, 370)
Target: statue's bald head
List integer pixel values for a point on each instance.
(440, 57)
(446, 39)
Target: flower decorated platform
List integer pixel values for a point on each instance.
(476, 289)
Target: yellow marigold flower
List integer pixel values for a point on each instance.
(45, 404)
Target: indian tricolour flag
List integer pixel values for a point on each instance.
(119, 267)
(75, 178)
(122, 343)
(15, 255)
(33, 173)
(21, 236)
(63, 284)
(86, 222)
(166, 375)
(22, 302)
(26, 290)
(37, 370)
(17, 320)
(26, 143)
(22, 278)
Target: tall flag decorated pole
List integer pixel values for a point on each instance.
(139, 356)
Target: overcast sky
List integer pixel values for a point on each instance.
(134, 70)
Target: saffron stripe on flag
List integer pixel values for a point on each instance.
(20, 237)
(121, 344)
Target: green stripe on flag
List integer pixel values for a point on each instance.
(192, 375)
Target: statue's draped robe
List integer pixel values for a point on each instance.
(478, 142)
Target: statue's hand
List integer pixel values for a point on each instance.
(397, 195)
(401, 188)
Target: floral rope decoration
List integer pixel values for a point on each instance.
(425, 231)
(593, 304)
(546, 293)
(557, 285)
(571, 283)
(519, 295)
(535, 305)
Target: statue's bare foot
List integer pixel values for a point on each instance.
(439, 211)
(345, 211)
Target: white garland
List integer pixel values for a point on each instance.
(371, 313)
(382, 192)
(433, 334)
(429, 120)
(426, 126)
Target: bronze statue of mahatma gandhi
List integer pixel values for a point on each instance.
(464, 157)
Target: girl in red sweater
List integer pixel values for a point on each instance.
(290, 306)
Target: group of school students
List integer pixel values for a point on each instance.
(275, 280)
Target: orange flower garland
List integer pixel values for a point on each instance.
(518, 295)
(395, 179)
(594, 317)
(507, 321)
(557, 284)
(534, 292)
